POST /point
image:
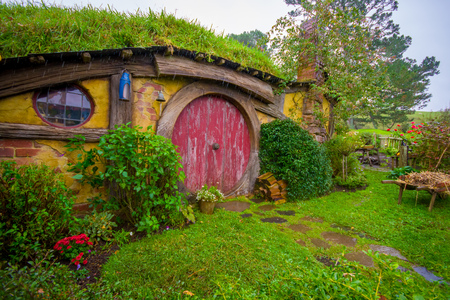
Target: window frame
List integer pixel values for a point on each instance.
(63, 89)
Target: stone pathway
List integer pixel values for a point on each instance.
(330, 238)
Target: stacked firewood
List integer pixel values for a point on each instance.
(271, 189)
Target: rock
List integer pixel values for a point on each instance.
(237, 206)
(274, 220)
(299, 228)
(338, 238)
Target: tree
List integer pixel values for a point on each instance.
(408, 81)
(339, 45)
(251, 39)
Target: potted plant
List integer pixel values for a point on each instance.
(207, 198)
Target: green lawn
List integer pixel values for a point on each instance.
(228, 257)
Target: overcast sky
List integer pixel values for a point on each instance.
(427, 22)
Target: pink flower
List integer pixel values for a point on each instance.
(90, 243)
(413, 127)
(412, 122)
(420, 126)
(409, 131)
(68, 247)
(401, 134)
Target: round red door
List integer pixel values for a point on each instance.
(214, 143)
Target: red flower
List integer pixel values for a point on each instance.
(388, 129)
(413, 127)
(68, 247)
(77, 263)
(85, 261)
(409, 131)
(401, 134)
(61, 252)
(73, 259)
(395, 129)
(398, 125)
(412, 122)
(412, 137)
(420, 126)
(415, 142)
(90, 243)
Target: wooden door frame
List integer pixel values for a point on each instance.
(243, 103)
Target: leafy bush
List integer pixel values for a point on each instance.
(143, 173)
(97, 226)
(34, 211)
(433, 148)
(290, 153)
(352, 181)
(397, 172)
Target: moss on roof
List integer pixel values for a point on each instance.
(50, 28)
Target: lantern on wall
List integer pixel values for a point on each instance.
(160, 100)
(125, 87)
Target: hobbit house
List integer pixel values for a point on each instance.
(210, 107)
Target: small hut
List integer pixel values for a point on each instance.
(211, 107)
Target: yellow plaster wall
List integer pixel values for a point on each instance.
(98, 89)
(293, 105)
(19, 109)
(146, 110)
(55, 155)
(263, 118)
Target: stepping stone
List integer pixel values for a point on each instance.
(311, 219)
(299, 228)
(286, 212)
(246, 215)
(360, 257)
(388, 251)
(237, 206)
(267, 207)
(329, 262)
(347, 228)
(402, 269)
(274, 220)
(422, 271)
(258, 213)
(301, 243)
(338, 238)
(257, 200)
(320, 243)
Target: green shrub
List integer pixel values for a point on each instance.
(142, 173)
(397, 172)
(34, 211)
(352, 181)
(97, 226)
(290, 153)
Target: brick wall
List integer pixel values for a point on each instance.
(19, 150)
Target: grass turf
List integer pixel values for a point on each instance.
(229, 257)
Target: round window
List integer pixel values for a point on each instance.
(67, 106)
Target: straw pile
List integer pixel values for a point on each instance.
(432, 180)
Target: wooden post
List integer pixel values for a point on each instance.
(433, 198)
(403, 156)
(400, 194)
(119, 111)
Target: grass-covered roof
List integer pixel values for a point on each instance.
(49, 28)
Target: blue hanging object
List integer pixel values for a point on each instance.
(125, 87)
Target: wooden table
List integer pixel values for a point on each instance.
(404, 186)
(364, 150)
